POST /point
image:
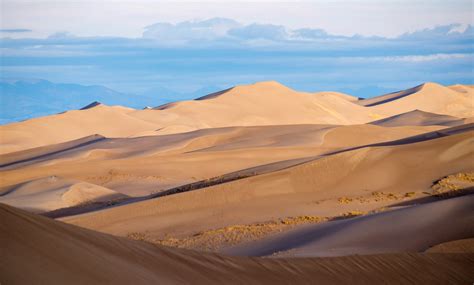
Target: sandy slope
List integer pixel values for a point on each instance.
(244, 158)
(392, 231)
(419, 118)
(140, 166)
(50, 193)
(312, 188)
(256, 104)
(347, 97)
(428, 97)
(245, 105)
(104, 120)
(39, 250)
(263, 103)
(455, 246)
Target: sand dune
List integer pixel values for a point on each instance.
(25, 157)
(419, 118)
(455, 246)
(428, 97)
(238, 106)
(104, 120)
(347, 97)
(34, 245)
(246, 105)
(144, 165)
(51, 193)
(372, 177)
(393, 231)
(462, 88)
(390, 97)
(243, 106)
(261, 169)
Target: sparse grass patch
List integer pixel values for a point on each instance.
(453, 185)
(354, 213)
(301, 219)
(138, 236)
(381, 196)
(212, 240)
(344, 200)
(379, 210)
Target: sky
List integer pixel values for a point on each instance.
(362, 47)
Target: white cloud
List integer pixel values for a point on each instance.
(460, 28)
(224, 31)
(260, 31)
(429, 57)
(127, 18)
(210, 29)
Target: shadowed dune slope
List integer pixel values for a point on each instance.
(24, 157)
(419, 118)
(377, 100)
(39, 250)
(392, 231)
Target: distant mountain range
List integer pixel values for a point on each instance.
(25, 99)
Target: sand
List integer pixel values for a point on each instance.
(53, 192)
(332, 187)
(237, 106)
(33, 246)
(429, 97)
(373, 177)
(145, 165)
(419, 118)
(455, 246)
(385, 232)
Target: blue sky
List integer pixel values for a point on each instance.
(361, 47)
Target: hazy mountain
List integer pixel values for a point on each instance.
(24, 99)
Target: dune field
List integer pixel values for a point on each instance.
(254, 184)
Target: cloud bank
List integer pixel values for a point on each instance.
(221, 52)
(15, 30)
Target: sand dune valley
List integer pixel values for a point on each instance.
(256, 184)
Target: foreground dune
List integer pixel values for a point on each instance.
(393, 231)
(33, 245)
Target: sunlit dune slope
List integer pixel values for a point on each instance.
(409, 165)
(263, 103)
